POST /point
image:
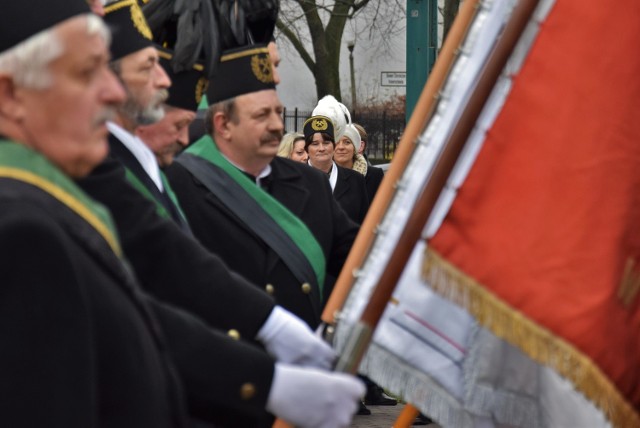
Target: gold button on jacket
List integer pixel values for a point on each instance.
(306, 288)
(247, 391)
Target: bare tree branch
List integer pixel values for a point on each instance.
(359, 5)
(297, 44)
(318, 37)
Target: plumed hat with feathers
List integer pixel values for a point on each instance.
(199, 30)
(336, 111)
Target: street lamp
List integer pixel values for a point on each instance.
(350, 45)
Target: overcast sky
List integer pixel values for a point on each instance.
(298, 87)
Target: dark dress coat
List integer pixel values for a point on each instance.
(307, 194)
(83, 346)
(120, 152)
(351, 193)
(372, 180)
(173, 267)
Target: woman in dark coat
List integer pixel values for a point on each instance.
(372, 175)
(348, 185)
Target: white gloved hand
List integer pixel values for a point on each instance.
(312, 398)
(289, 340)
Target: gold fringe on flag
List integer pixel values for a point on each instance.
(537, 342)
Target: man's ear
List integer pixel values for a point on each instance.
(221, 125)
(11, 105)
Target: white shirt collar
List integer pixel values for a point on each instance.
(333, 176)
(139, 149)
(264, 173)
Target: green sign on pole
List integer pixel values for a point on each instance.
(422, 43)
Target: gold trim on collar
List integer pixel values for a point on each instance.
(67, 199)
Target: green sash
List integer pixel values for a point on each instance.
(205, 148)
(160, 209)
(169, 191)
(20, 163)
(140, 187)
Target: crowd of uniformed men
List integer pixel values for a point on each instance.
(131, 298)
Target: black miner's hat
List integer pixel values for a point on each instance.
(241, 71)
(316, 124)
(20, 20)
(129, 29)
(187, 87)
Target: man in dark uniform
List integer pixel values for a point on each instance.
(162, 258)
(169, 136)
(177, 269)
(81, 342)
(69, 306)
(271, 219)
(136, 63)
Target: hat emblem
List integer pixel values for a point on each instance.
(319, 125)
(261, 67)
(201, 87)
(140, 22)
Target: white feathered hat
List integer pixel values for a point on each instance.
(336, 111)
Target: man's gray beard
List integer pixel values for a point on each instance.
(150, 115)
(142, 116)
(145, 116)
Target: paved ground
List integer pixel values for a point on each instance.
(381, 417)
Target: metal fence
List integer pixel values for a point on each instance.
(384, 130)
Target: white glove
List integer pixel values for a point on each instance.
(289, 340)
(312, 398)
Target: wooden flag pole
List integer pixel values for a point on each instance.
(407, 417)
(416, 125)
(362, 333)
(417, 122)
(384, 194)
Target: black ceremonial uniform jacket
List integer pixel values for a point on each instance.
(307, 194)
(162, 199)
(351, 193)
(82, 345)
(173, 267)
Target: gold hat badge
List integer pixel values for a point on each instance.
(201, 88)
(261, 67)
(319, 124)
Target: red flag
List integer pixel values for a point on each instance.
(538, 250)
(542, 243)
